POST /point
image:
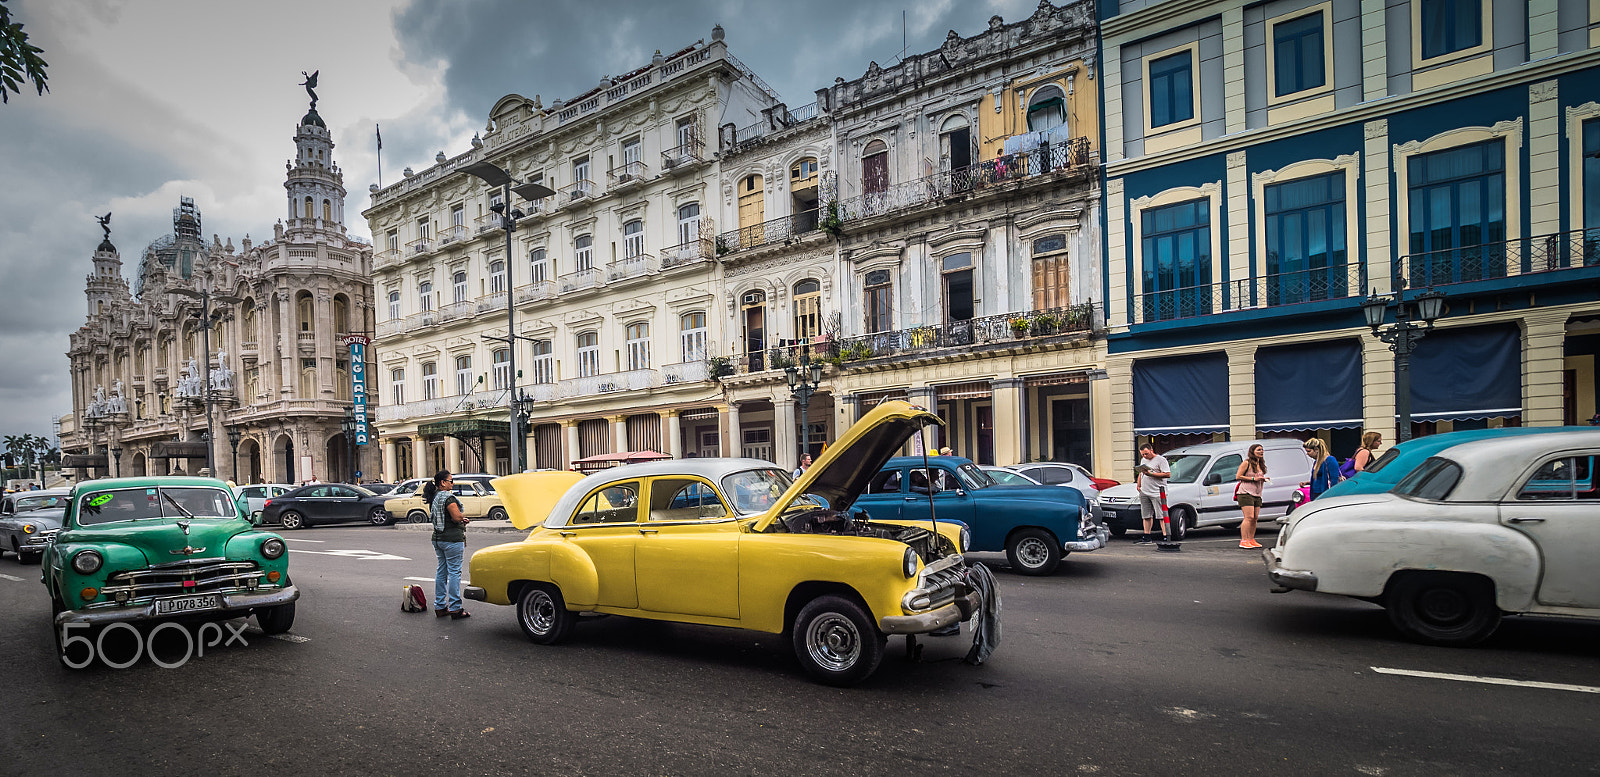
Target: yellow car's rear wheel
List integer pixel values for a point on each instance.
(543, 614)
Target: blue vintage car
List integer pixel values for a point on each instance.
(1034, 525)
(1397, 462)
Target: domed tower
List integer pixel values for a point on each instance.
(105, 285)
(315, 185)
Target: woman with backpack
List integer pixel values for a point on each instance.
(449, 544)
(1252, 478)
(1324, 468)
(1368, 451)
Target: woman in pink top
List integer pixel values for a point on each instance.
(1252, 475)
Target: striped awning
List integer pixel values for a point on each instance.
(699, 414)
(871, 399)
(978, 390)
(1055, 379)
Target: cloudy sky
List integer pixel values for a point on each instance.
(154, 99)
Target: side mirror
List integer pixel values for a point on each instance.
(1213, 479)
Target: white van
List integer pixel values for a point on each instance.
(1200, 491)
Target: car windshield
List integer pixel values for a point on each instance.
(1432, 481)
(132, 504)
(1005, 477)
(24, 504)
(1186, 468)
(974, 478)
(1385, 460)
(755, 490)
(364, 491)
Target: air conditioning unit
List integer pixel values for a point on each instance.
(669, 162)
(624, 177)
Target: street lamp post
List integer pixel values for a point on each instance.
(233, 441)
(803, 382)
(116, 455)
(492, 175)
(348, 425)
(1402, 337)
(206, 298)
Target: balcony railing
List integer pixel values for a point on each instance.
(490, 302)
(631, 267)
(609, 383)
(1023, 325)
(451, 234)
(536, 291)
(686, 154)
(777, 230)
(1052, 158)
(387, 258)
(308, 337)
(391, 326)
(1543, 253)
(421, 246)
(686, 254)
(685, 372)
(576, 191)
(489, 221)
(1316, 284)
(419, 320)
(442, 406)
(628, 173)
(578, 281)
(455, 310)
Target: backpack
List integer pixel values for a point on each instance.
(414, 600)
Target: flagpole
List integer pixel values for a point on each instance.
(379, 132)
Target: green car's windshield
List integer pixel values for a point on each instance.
(133, 504)
(1186, 468)
(24, 504)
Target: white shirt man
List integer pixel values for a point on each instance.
(1153, 473)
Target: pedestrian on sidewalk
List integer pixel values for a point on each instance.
(1251, 478)
(1324, 468)
(805, 464)
(449, 544)
(1368, 451)
(1153, 471)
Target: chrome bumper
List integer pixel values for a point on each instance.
(1102, 535)
(1287, 580)
(923, 622)
(236, 603)
(474, 593)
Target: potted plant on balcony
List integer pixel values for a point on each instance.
(831, 222)
(1019, 327)
(1045, 324)
(719, 367)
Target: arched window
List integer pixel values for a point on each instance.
(341, 380)
(807, 309)
(458, 286)
(247, 321)
(538, 271)
(688, 223)
(955, 143)
(583, 251)
(397, 385)
(692, 333)
(310, 212)
(308, 378)
(502, 369)
(327, 211)
(638, 335)
(463, 375)
(430, 380)
(497, 276)
(306, 312)
(752, 201)
(341, 314)
(1047, 109)
(632, 239)
(875, 168)
(588, 354)
(544, 362)
(394, 306)
(803, 173)
(425, 296)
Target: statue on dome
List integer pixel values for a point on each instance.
(105, 224)
(311, 87)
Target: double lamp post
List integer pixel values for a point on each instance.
(1402, 337)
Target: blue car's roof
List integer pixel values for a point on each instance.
(916, 461)
(1413, 452)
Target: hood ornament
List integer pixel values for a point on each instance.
(187, 550)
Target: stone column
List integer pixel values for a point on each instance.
(419, 458)
(490, 451)
(1103, 457)
(1544, 152)
(1544, 339)
(288, 349)
(619, 434)
(674, 433)
(732, 442)
(1233, 68)
(923, 396)
(1242, 391)
(849, 411)
(1007, 421)
(1376, 159)
(1120, 465)
(1543, 29)
(785, 441)
(1374, 54)
(452, 454)
(569, 432)
(1377, 388)
(391, 462)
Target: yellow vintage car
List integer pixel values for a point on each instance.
(732, 542)
(476, 502)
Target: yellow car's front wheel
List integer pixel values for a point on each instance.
(836, 641)
(543, 614)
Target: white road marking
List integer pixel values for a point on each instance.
(12, 579)
(419, 579)
(1468, 678)
(365, 555)
(297, 539)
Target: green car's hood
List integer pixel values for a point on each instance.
(157, 539)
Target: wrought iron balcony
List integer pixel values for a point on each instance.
(578, 281)
(384, 259)
(576, 191)
(1489, 261)
(420, 246)
(689, 153)
(534, 292)
(1316, 284)
(455, 310)
(489, 303)
(686, 254)
(609, 383)
(451, 234)
(489, 221)
(631, 267)
(685, 372)
(629, 172)
(778, 230)
(1044, 160)
(391, 326)
(1084, 318)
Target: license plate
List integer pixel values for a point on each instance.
(186, 604)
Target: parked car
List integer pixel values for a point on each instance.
(28, 521)
(476, 502)
(256, 495)
(1200, 491)
(321, 503)
(1007, 477)
(151, 548)
(1482, 528)
(732, 542)
(1066, 475)
(1397, 462)
(1035, 525)
(478, 477)
(382, 489)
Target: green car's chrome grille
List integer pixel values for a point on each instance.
(183, 577)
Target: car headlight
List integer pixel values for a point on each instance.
(966, 539)
(910, 563)
(271, 548)
(28, 528)
(87, 562)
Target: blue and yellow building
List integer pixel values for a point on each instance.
(1270, 164)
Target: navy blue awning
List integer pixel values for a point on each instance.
(1310, 386)
(1468, 373)
(1183, 395)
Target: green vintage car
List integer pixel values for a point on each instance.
(152, 548)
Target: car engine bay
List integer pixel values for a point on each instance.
(854, 523)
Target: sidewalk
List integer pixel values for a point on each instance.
(489, 527)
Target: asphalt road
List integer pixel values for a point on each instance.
(1129, 661)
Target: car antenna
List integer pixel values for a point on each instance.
(927, 472)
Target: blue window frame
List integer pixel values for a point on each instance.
(1172, 89)
(1176, 248)
(1305, 226)
(1298, 55)
(1458, 215)
(1450, 25)
(1591, 174)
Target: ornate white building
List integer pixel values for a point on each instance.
(279, 376)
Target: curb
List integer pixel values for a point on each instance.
(481, 527)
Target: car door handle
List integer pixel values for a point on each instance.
(649, 531)
(1527, 520)
(569, 534)
(911, 498)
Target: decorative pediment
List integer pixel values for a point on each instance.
(878, 254)
(632, 210)
(958, 233)
(1053, 217)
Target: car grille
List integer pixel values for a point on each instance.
(937, 585)
(183, 577)
(1115, 500)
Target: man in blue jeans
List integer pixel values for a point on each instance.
(449, 546)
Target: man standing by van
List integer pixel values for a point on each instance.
(1153, 473)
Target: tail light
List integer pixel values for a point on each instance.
(1104, 483)
(266, 504)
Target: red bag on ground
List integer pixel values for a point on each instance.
(415, 600)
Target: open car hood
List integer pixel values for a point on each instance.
(530, 496)
(845, 468)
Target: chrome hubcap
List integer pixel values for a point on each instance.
(379, 516)
(833, 642)
(539, 612)
(1032, 552)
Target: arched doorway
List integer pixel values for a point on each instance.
(137, 466)
(249, 462)
(402, 460)
(283, 459)
(338, 467)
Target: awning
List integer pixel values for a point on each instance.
(1311, 386)
(981, 390)
(83, 461)
(699, 414)
(1183, 395)
(467, 427)
(1467, 373)
(1056, 379)
(191, 449)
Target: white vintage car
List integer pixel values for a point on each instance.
(1503, 525)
